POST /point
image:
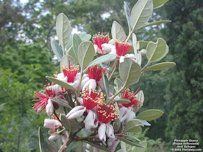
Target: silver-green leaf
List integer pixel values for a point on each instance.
(156, 51)
(160, 66)
(118, 84)
(143, 44)
(159, 3)
(129, 72)
(61, 102)
(102, 59)
(63, 31)
(150, 114)
(86, 53)
(140, 14)
(61, 83)
(56, 49)
(118, 32)
(133, 126)
(76, 42)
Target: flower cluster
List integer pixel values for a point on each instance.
(98, 111)
(91, 99)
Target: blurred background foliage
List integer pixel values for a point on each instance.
(25, 60)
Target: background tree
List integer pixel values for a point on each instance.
(184, 91)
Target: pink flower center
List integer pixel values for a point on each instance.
(122, 48)
(71, 72)
(91, 100)
(133, 101)
(106, 113)
(100, 39)
(95, 72)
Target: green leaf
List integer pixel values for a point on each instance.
(61, 102)
(129, 72)
(76, 43)
(106, 84)
(133, 126)
(83, 133)
(143, 44)
(156, 23)
(84, 36)
(159, 3)
(56, 49)
(118, 84)
(121, 101)
(130, 141)
(118, 32)
(136, 44)
(102, 59)
(61, 83)
(65, 122)
(140, 14)
(140, 149)
(127, 13)
(70, 125)
(156, 51)
(63, 31)
(160, 66)
(150, 114)
(85, 53)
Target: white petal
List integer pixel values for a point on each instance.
(123, 114)
(145, 123)
(102, 132)
(62, 77)
(130, 115)
(84, 81)
(51, 123)
(86, 85)
(92, 84)
(56, 88)
(110, 131)
(107, 47)
(53, 136)
(121, 60)
(96, 48)
(113, 51)
(49, 107)
(76, 112)
(90, 120)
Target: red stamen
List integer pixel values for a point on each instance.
(71, 72)
(106, 113)
(95, 72)
(100, 39)
(122, 48)
(92, 99)
(133, 101)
